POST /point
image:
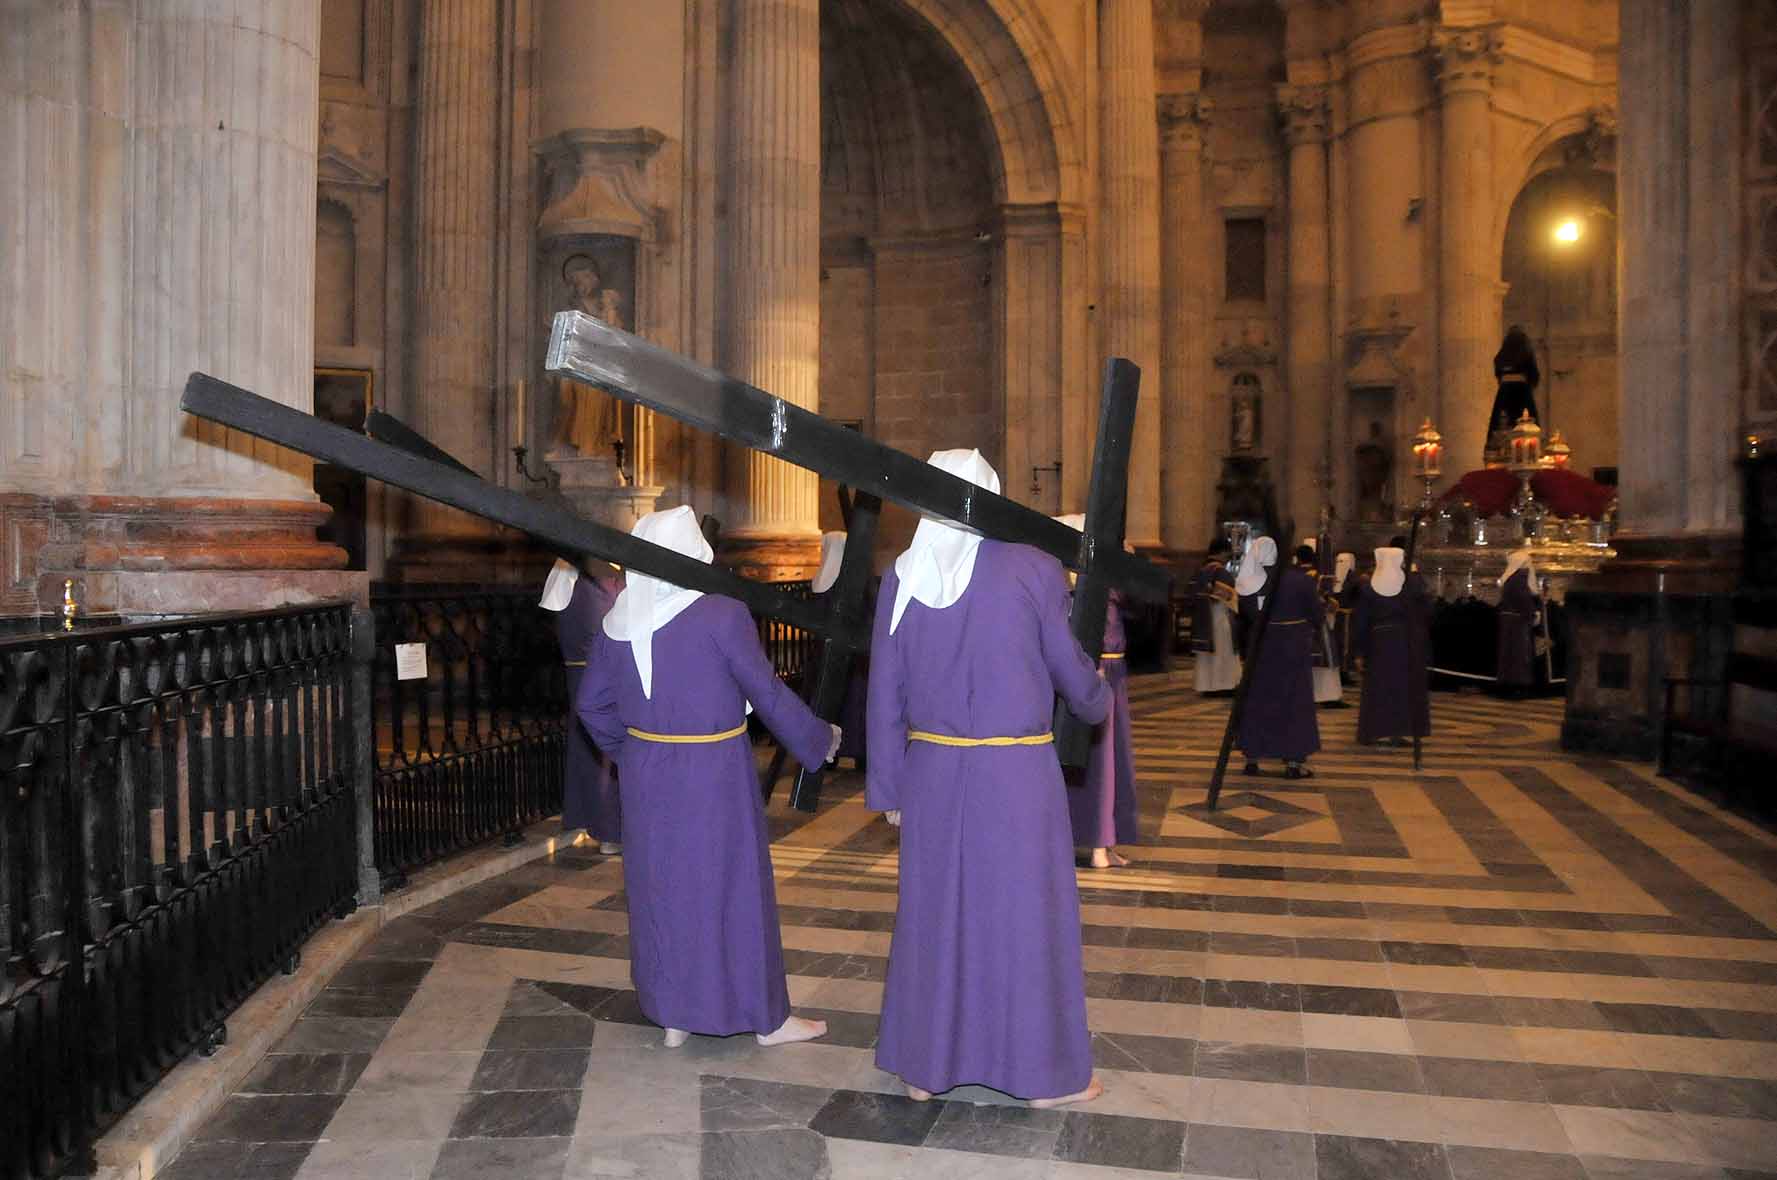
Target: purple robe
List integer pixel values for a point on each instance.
(589, 780)
(1517, 632)
(1102, 809)
(1393, 634)
(706, 953)
(1277, 719)
(985, 978)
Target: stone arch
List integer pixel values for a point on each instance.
(1546, 152)
(1009, 52)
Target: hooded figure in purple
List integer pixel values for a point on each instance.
(1277, 718)
(985, 980)
(1103, 807)
(589, 779)
(667, 689)
(851, 711)
(1392, 630)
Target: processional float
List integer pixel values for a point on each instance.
(594, 353)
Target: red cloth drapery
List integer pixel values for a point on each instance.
(1564, 493)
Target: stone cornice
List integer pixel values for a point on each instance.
(1387, 44)
(1183, 120)
(604, 183)
(1304, 112)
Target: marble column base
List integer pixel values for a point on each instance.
(178, 555)
(772, 557)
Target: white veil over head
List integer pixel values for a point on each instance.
(1261, 554)
(1391, 572)
(1520, 560)
(647, 604)
(935, 569)
(558, 587)
(832, 556)
(1343, 565)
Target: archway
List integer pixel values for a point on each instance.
(1559, 260)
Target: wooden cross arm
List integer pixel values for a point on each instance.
(216, 400)
(590, 351)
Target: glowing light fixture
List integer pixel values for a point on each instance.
(1567, 231)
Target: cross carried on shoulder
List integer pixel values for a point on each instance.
(630, 368)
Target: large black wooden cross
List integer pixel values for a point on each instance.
(592, 352)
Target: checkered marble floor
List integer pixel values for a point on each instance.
(1516, 964)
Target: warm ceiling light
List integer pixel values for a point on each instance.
(1567, 231)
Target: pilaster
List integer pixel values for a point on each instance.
(1185, 311)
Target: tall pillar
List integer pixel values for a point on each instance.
(1187, 479)
(1129, 204)
(456, 178)
(1468, 270)
(1308, 346)
(773, 267)
(157, 168)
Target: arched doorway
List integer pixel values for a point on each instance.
(908, 165)
(1560, 263)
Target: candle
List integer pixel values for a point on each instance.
(518, 431)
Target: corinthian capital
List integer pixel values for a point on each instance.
(1303, 110)
(1465, 58)
(1183, 120)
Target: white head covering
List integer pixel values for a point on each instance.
(1343, 565)
(935, 569)
(1520, 560)
(558, 587)
(1310, 542)
(647, 604)
(832, 556)
(1260, 554)
(1391, 573)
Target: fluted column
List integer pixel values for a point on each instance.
(1187, 478)
(1468, 271)
(773, 262)
(1308, 344)
(1129, 203)
(454, 228)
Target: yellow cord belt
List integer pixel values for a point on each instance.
(573, 663)
(687, 739)
(944, 739)
(1113, 655)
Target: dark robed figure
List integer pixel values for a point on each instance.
(1392, 631)
(985, 979)
(590, 797)
(1102, 807)
(1278, 717)
(1514, 367)
(851, 711)
(1519, 600)
(666, 692)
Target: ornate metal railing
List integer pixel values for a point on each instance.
(791, 649)
(177, 814)
(473, 750)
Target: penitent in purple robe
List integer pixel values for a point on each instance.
(1278, 717)
(1517, 632)
(1103, 807)
(1393, 634)
(985, 979)
(589, 779)
(706, 953)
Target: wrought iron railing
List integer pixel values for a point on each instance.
(791, 649)
(473, 750)
(177, 814)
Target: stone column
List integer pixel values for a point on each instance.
(1308, 357)
(1468, 268)
(157, 167)
(1129, 205)
(458, 163)
(773, 265)
(1188, 477)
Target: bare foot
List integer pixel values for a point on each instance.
(675, 1037)
(1101, 858)
(917, 1094)
(609, 848)
(1093, 1089)
(795, 1029)
(1118, 860)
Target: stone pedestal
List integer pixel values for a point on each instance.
(596, 491)
(1129, 154)
(164, 201)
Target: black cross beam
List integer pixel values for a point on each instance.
(449, 483)
(592, 352)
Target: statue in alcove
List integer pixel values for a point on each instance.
(1243, 429)
(1375, 464)
(587, 420)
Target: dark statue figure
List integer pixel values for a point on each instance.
(1514, 367)
(1374, 467)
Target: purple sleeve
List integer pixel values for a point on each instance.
(886, 709)
(793, 723)
(596, 704)
(1075, 678)
(1317, 609)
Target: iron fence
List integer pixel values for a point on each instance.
(177, 814)
(790, 649)
(472, 750)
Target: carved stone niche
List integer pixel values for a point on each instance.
(598, 251)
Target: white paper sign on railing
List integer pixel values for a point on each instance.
(410, 661)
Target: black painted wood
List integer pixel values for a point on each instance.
(215, 400)
(392, 430)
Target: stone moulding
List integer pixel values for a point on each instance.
(601, 182)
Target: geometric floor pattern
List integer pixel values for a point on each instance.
(1516, 964)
